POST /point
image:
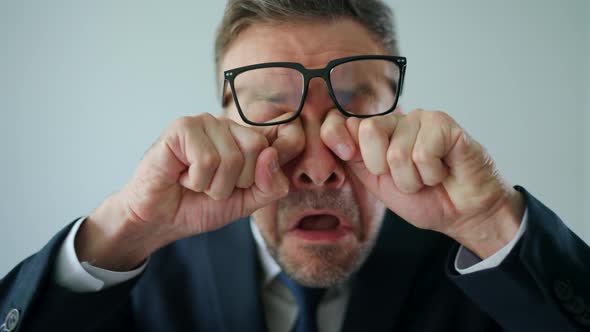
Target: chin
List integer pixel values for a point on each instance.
(321, 265)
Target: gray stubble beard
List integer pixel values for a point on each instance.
(325, 270)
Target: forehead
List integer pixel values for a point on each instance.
(311, 43)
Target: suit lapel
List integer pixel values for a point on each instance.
(234, 268)
(381, 286)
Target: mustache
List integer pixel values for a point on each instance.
(332, 199)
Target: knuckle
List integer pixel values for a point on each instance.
(439, 117)
(254, 145)
(225, 120)
(208, 160)
(205, 117)
(420, 156)
(416, 112)
(397, 156)
(187, 122)
(184, 122)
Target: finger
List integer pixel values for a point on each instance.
(399, 155)
(202, 158)
(287, 138)
(270, 183)
(430, 148)
(231, 160)
(250, 143)
(353, 124)
(374, 137)
(335, 135)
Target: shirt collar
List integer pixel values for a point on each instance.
(270, 268)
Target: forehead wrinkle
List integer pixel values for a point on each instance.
(312, 44)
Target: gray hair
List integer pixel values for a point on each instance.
(376, 16)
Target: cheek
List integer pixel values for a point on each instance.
(266, 220)
(371, 209)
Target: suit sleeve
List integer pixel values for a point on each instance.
(41, 304)
(543, 284)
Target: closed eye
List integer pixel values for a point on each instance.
(347, 97)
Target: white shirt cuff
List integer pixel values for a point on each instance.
(467, 262)
(81, 277)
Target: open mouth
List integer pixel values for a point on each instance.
(318, 222)
(320, 226)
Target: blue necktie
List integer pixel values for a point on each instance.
(307, 300)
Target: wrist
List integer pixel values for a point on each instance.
(111, 239)
(488, 234)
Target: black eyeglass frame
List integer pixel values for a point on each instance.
(230, 75)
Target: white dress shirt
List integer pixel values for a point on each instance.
(279, 305)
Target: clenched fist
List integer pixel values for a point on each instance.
(428, 170)
(202, 173)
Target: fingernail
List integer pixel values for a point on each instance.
(343, 150)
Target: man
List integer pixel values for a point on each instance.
(362, 218)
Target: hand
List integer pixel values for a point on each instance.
(429, 171)
(202, 173)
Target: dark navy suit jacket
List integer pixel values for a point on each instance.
(210, 282)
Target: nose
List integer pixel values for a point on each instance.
(317, 167)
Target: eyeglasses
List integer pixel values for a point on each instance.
(272, 93)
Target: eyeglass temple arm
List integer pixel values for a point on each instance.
(401, 84)
(222, 94)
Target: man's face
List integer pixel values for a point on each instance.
(325, 227)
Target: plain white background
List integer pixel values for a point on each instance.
(86, 87)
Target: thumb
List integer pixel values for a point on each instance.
(270, 183)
